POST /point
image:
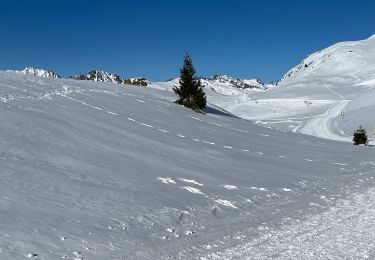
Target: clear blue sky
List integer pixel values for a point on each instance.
(148, 38)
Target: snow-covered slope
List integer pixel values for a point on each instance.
(93, 170)
(329, 94)
(38, 72)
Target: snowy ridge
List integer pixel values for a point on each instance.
(233, 82)
(100, 76)
(225, 85)
(38, 72)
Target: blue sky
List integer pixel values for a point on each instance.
(148, 38)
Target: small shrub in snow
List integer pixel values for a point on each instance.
(360, 136)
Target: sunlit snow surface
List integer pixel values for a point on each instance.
(329, 94)
(103, 171)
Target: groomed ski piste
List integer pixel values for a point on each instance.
(93, 170)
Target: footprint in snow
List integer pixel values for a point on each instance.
(112, 113)
(226, 203)
(191, 181)
(189, 232)
(342, 164)
(146, 125)
(256, 188)
(229, 187)
(193, 190)
(164, 131)
(167, 180)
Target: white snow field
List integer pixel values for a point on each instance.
(95, 170)
(329, 94)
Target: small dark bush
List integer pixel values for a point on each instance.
(360, 136)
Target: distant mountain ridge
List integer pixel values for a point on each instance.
(38, 72)
(93, 75)
(108, 77)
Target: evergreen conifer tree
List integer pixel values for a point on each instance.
(190, 91)
(360, 136)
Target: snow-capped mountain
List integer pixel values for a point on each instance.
(233, 82)
(224, 84)
(100, 76)
(38, 72)
(108, 77)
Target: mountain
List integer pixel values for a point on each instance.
(99, 75)
(231, 82)
(38, 72)
(224, 84)
(102, 76)
(92, 172)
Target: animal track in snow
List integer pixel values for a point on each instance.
(84, 103)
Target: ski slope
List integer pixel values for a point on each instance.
(95, 170)
(328, 95)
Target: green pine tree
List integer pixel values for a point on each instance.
(190, 91)
(360, 136)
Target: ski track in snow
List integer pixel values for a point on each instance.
(345, 231)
